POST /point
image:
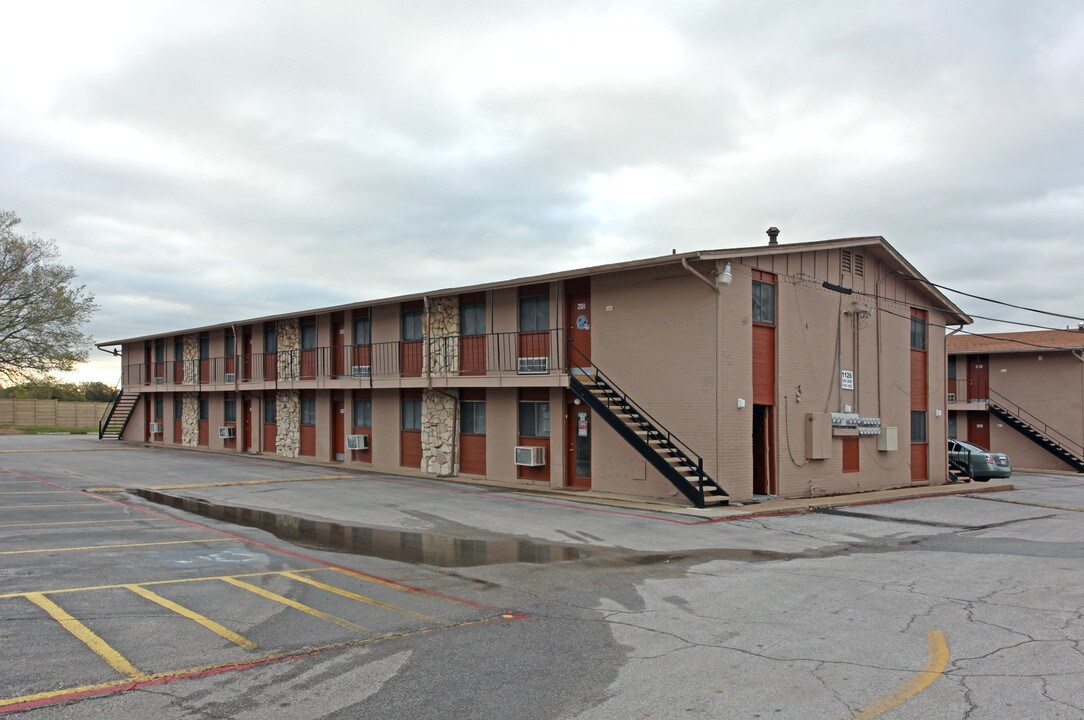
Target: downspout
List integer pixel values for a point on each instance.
(1080, 356)
(685, 264)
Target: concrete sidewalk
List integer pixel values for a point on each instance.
(297, 493)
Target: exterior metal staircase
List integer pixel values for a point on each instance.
(665, 451)
(116, 417)
(1056, 443)
(958, 472)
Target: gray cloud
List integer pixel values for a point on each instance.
(230, 162)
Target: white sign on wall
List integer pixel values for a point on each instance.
(846, 379)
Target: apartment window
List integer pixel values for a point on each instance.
(952, 425)
(159, 350)
(308, 411)
(534, 313)
(229, 410)
(158, 406)
(270, 412)
(231, 345)
(412, 325)
(763, 298)
(363, 330)
(270, 340)
(951, 366)
(472, 417)
(918, 426)
(178, 408)
(363, 412)
(204, 347)
(204, 412)
(178, 350)
(472, 319)
(308, 335)
(534, 418)
(918, 330)
(412, 414)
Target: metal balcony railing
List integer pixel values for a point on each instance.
(494, 354)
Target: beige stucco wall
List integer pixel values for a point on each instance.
(682, 350)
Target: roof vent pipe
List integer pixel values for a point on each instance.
(773, 235)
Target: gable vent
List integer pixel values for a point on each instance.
(857, 263)
(845, 261)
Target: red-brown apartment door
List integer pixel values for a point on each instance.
(338, 430)
(978, 378)
(578, 460)
(248, 420)
(246, 356)
(978, 429)
(579, 325)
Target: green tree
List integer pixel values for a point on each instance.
(41, 312)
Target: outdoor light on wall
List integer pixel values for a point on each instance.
(726, 276)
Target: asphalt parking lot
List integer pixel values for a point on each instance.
(344, 595)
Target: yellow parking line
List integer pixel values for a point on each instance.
(87, 636)
(52, 505)
(70, 522)
(294, 604)
(938, 652)
(68, 450)
(228, 666)
(359, 598)
(192, 615)
(173, 581)
(107, 547)
(376, 580)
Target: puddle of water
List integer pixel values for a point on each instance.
(399, 545)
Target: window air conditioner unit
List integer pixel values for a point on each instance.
(530, 456)
(229, 377)
(357, 442)
(227, 432)
(360, 371)
(533, 365)
(159, 380)
(155, 428)
(952, 397)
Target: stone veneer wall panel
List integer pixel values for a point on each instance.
(439, 432)
(190, 419)
(289, 347)
(191, 359)
(443, 341)
(288, 435)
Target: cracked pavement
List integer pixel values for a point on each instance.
(808, 616)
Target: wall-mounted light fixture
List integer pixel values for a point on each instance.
(726, 276)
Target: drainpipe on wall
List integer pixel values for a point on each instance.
(1080, 356)
(685, 264)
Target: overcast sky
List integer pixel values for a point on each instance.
(199, 162)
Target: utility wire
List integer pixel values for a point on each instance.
(985, 335)
(996, 302)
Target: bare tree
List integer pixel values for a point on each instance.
(41, 312)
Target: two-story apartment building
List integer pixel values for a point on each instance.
(793, 370)
(1021, 393)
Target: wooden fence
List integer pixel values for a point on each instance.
(51, 413)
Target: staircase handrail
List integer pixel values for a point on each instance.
(107, 414)
(1036, 422)
(671, 437)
